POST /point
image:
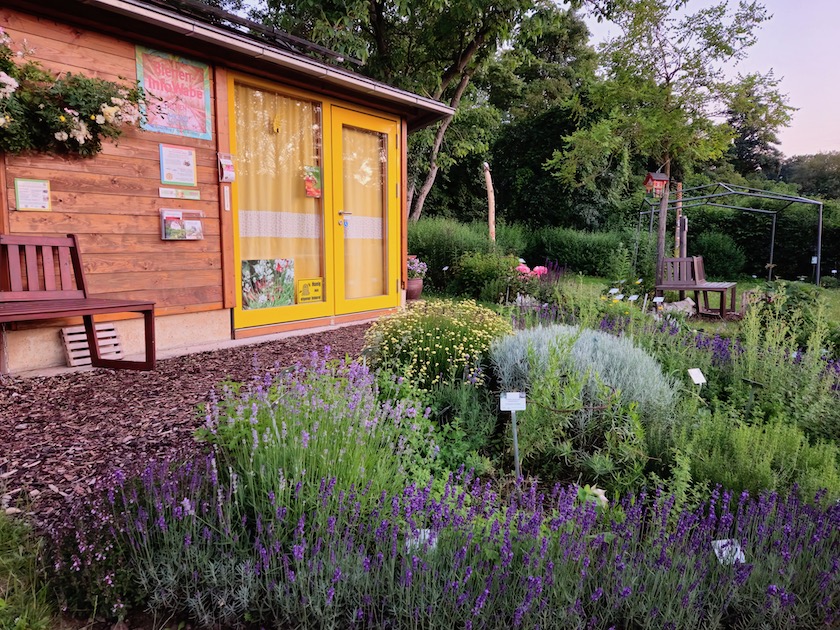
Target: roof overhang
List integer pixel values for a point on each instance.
(140, 21)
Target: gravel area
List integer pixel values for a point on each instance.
(60, 434)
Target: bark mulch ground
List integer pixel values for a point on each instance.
(60, 434)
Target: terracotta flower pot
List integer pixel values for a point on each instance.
(413, 288)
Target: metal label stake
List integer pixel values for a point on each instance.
(513, 402)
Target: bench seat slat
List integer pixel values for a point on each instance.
(52, 309)
(29, 296)
(710, 286)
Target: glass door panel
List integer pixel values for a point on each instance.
(279, 219)
(367, 211)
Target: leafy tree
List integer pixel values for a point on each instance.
(817, 175)
(549, 62)
(428, 46)
(664, 83)
(756, 111)
(539, 86)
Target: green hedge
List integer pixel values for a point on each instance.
(441, 243)
(590, 253)
(723, 258)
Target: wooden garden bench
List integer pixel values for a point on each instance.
(688, 274)
(43, 278)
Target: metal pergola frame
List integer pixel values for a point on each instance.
(715, 195)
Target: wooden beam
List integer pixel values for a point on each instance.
(220, 85)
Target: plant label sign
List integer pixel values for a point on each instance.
(696, 376)
(728, 551)
(512, 401)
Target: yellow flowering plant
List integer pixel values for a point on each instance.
(435, 341)
(70, 113)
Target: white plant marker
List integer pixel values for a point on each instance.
(513, 402)
(728, 551)
(633, 298)
(423, 537)
(613, 291)
(697, 376)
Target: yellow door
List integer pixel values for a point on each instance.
(365, 211)
(283, 242)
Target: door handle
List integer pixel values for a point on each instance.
(342, 212)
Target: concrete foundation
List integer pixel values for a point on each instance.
(41, 348)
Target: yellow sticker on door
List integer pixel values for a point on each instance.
(310, 290)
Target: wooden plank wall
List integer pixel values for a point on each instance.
(112, 201)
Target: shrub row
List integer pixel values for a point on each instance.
(442, 243)
(178, 540)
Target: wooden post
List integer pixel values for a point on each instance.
(491, 202)
(663, 221)
(678, 230)
(677, 236)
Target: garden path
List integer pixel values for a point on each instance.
(60, 434)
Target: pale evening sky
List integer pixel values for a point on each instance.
(801, 44)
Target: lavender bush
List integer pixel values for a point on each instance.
(281, 434)
(471, 558)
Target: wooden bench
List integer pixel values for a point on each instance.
(43, 278)
(688, 274)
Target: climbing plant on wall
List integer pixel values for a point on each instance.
(67, 113)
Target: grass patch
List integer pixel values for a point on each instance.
(23, 596)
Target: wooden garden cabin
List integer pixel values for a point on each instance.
(311, 231)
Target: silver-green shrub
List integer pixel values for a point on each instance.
(617, 363)
(594, 401)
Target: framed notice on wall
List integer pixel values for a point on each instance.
(32, 194)
(177, 165)
(181, 91)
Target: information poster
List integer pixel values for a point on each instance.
(268, 283)
(179, 225)
(310, 290)
(181, 94)
(32, 194)
(177, 165)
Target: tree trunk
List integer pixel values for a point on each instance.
(426, 188)
(410, 196)
(491, 203)
(663, 222)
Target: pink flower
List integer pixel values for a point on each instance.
(539, 270)
(523, 268)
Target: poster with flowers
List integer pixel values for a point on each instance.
(268, 283)
(180, 94)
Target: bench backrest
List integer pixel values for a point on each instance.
(40, 268)
(687, 272)
(699, 271)
(678, 271)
